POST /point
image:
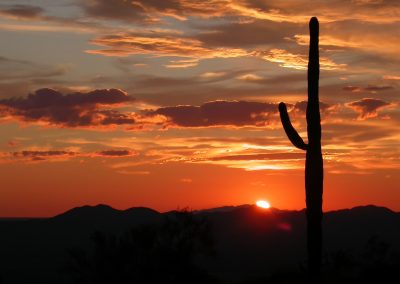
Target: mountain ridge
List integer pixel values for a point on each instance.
(104, 207)
(249, 241)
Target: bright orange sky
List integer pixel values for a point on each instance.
(173, 104)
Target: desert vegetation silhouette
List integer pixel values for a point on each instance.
(159, 253)
(314, 163)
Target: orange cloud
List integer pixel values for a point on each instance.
(277, 11)
(184, 63)
(353, 89)
(391, 77)
(129, 44)
(152, 11)
(193, 50)
(300, 11)
(250, 77)
(297, 61)
(368, 107)
(351, 35)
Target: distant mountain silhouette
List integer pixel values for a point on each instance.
(222, 209)
(250, 241)
(87, 211)
(104, 215)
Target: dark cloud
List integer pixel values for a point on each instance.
(352, 89)
(249, 34)
(369, 88)
(324, 107)
(374, 88)
(368, 107)
(198, 94)
(70, 110)
(114, 9)
(348, 132)
(42, 155)
(260, 157)
(219, 113)
(116, 153)
(298, 109)
(14, 69)
(264, 141)
(46, 155)
(44, 98)
(151, 81)
(21, 11)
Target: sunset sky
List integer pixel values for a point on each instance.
(173, 103)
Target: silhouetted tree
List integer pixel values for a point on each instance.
(314, 163)
(378, 262)
(163, 253)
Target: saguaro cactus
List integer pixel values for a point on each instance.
(314, 164)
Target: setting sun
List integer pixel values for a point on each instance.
(263, 204)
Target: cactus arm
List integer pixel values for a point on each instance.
(291, 133)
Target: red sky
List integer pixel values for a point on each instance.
(173, 104)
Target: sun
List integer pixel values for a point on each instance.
(263, 204)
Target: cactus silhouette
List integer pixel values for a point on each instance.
(314, 163)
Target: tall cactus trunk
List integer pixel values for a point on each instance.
(314, 163)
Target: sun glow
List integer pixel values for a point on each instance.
(263, 204)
